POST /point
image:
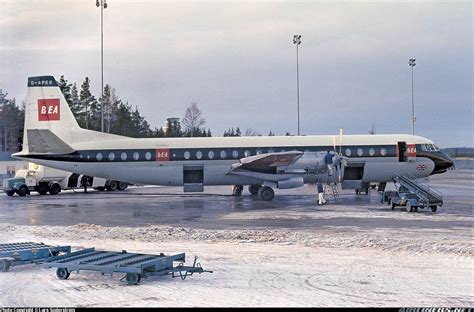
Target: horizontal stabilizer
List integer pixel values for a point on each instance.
(43, 141)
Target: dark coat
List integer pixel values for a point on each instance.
(320, 188)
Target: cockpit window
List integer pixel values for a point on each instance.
(429, 148)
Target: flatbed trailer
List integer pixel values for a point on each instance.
(135, 265)
(14, 254)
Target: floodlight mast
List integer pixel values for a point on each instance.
(297, 42)
(411, 63)
(103, 5)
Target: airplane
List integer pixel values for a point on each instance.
(53, 138)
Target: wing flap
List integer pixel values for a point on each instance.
(268, 163)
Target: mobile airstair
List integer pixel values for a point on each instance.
(331, 187)
(427, 196)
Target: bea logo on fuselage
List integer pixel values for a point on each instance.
(162, 154)
(48, 109)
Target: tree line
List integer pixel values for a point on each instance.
(120, 117)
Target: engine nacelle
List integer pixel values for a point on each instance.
(291, 183)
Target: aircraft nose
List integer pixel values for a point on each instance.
(442, 163)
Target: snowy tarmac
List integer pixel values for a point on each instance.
(288, 252)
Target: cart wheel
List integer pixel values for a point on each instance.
(133, 278)
(4, 265)
(62, 273)
(408, 207)
(434, 208)
(392, 205)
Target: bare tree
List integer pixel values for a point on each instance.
(193, 120)
(251, 132)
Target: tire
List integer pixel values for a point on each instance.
(266, 193)
(367, 191)
(41, 189)
(54, 189)
(62, 273)
(4, 265)
(434, 208)
(254, 188)
(100, 188)
(357, 191)
(392, 205)
(408, 207)
(122, 186)
(10, 193)
(23, 191)
(133, 278)
(113, 186)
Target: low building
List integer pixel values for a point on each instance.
(9, 166)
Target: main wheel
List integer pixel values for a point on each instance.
(22, 191)
(42, 191)
(434, 208)
(254, 188)
(122, 186)
(113, 185)
(10, 193)
(133, 278)
(4, 265)
(62, 273)
(266, 193)
(408, 207)
(54, 189)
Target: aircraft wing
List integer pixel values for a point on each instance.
(267, 163)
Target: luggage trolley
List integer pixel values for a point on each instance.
(135, 265)
(14, 254)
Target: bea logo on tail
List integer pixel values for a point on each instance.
(48, 109)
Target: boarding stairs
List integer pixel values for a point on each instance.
(426, 194)
(331, 186)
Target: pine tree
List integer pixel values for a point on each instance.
(75, 102)
(90, 105)
(11, 130)
(65, 88)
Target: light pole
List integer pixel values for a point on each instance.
(411, 63)
(103, 5)
(297, 42)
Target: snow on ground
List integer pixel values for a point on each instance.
(251, 268)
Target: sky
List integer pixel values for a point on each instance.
(237, 61)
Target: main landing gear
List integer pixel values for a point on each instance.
(265, 193)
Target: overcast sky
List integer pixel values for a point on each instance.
(238, 62)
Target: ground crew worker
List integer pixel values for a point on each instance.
(321, 200)
(328, 161)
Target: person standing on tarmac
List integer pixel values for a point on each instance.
(321, 200)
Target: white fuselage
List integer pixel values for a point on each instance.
(117, 158)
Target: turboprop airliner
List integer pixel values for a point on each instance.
(53, 138)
